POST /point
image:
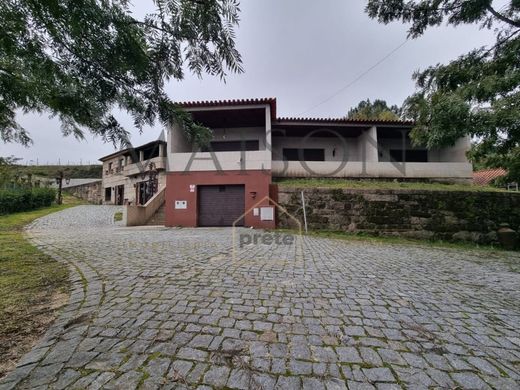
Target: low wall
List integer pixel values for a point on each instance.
(447, 171)
(139, 215)
(444, 215)
(91, 192)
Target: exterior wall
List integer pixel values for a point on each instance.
(442, 171)
(91, 192)
(180, 150)
(455, 153)
(226, 161)
(178, 188)
(137, 215)
(129, 182)
(444, 215)
(386, 144)
(241, 133)
(326, 143)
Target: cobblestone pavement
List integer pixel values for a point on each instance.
(154, 307)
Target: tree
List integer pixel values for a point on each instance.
(6, 169)
(78, 60)
(476, 94)
(379, 110)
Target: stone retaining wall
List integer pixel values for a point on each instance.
(445, 215)
(91, 192)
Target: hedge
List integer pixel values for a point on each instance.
(12, 201)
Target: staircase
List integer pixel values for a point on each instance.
(158, 218)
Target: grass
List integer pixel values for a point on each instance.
(381, 184)
(32, 285)
(118, 216)
(372, 239)
(391, 240)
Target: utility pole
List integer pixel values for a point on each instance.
(59, 182)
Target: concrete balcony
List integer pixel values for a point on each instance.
(428, 170)
(226, 161)
(144, 166)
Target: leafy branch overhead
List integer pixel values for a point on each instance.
(477, 94)
(79, 60)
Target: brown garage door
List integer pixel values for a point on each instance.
(220, 205)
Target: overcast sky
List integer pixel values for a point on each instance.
(300, 51)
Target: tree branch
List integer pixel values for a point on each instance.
(503, 18)
(500, 43)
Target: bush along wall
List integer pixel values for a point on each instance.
(436, 215)
(12, 201)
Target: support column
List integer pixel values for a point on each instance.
(368, 147)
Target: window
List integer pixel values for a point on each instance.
(409, 155)
(233, 146)
(108, 194)
(308, 154)
(109, 167)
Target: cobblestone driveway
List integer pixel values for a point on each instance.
(154, 307)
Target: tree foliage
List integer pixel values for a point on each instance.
(6, 169)
(477, 94)
(80, 59)
(378, 110)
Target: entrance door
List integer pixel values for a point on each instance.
(220, 205)
(120, 195)
(145, 191)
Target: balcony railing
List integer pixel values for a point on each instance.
(143, 166)
(227, 161)
(430, 170)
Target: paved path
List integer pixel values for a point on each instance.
(179, 308)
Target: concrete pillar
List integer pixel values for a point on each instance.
(368, 150)
(268, 138)
(161, 150)
(141, 155)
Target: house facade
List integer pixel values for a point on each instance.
(134, 175)
(230, 182)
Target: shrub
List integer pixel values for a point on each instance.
(12, 201)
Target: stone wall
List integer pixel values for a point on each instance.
(444, 215)
(91, 192)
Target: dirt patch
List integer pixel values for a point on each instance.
(34, 323)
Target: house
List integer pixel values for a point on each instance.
(485, 177)
(230, 182)
(133, 175)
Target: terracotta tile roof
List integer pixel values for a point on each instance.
(346, 121)
(272, 103)
(485, 176)
(233, 102)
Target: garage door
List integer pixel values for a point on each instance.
(220, 205)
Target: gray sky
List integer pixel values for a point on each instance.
(299, 51)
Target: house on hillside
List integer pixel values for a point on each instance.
(230, 181)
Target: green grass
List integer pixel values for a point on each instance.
(380, 184)
(118, 216)
(372, 239)
(30, 283)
